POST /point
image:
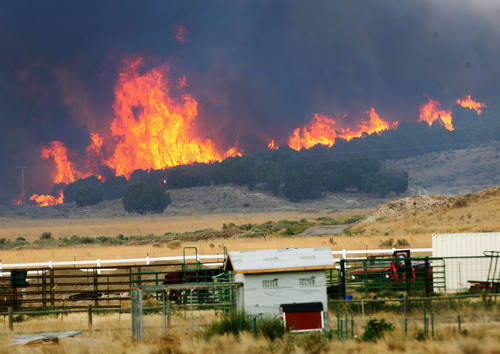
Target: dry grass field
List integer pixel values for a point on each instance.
(112, 334)
(412, 220)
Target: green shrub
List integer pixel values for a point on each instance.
(46, 235)
(88, 195)
(387, 243)
(271, 327)
(375, 329)
(142, 199)
(230, 323)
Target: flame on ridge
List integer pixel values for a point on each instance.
(152, 129)
(430, 113)
(471, 104)
(323, 130)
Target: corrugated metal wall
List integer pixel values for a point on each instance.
(473, 245)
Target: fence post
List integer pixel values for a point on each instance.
(90, 317)
(405, 304)
(425, 323)
(427, 278)
(342, 279)
(11, 319)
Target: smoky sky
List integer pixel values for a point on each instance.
(258, 69)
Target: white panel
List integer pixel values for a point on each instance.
(278, 259)
(264, 293)
(460, 271)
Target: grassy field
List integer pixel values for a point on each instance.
(112, 334)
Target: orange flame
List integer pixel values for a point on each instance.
(323, 130)
(374, 125)
(319, 131)
(471, 104)
(59, 152)
(272, 146)
(18, 201)
(46, 200)
(430, 113)
(152, 129)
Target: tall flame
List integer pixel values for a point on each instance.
(272, 145)
(323, 130)
(59, 153)
(431, 113)
(471, 104)
(374, 125)
(152, 129)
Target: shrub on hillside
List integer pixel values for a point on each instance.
(88, 195)
(141, 199)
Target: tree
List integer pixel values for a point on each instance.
(88, 195)
(136, 198)
(142, 199)
(159, 199)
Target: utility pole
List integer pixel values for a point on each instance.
(22, 181)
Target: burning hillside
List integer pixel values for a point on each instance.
(95, 89)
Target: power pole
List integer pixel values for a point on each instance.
(22, 181)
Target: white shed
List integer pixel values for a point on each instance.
(469, 249)
(274, 277)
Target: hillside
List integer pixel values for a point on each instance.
(453, 172)
(427, 214)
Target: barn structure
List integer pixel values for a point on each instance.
(286, 279)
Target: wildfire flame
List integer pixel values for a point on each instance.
(18, 201)
(431, 112)
(46, 200)
(374, 125)
(272, 146)
(154, 130)
(471, 104)
(59, 152)
(323, 130)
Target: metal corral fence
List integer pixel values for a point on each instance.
(379, 276)
(413, 276)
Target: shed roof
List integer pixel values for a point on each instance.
(289, 259)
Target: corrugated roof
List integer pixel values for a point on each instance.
(290, 259)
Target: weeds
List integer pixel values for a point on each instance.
(375, 329)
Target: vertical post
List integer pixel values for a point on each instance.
(408, 275)
(255, 327)
(427, 277)
(11, 319)
(425, 323)
(346, 326)
(136, 311)
(90, 317)
(406, 329)
(164, 299)
(342, 279)
(432, 324)
(191, 300)
(352, 327)
(169, 311)
(405, 304)
(459, 325)
(341, 329)
(338, 325)
(363, 309)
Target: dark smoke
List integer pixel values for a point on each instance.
(257, 68)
